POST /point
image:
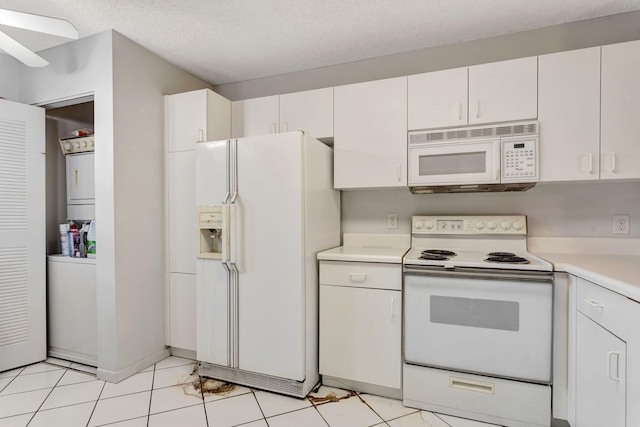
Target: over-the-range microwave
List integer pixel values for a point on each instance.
(474, 159)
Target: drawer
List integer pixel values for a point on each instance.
(610, 310)
(493, 400)
(361, 274)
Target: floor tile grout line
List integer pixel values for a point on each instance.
(370, 407)
(104, 383)
(319, 413)
(264, 417)
(45, 399)
(153, 379)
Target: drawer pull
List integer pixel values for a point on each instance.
(471, 385)
(357, 277)
(617, 354)
(594, 303)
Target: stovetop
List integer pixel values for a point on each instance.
(496, 242)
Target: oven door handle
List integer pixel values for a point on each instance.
(481, 273)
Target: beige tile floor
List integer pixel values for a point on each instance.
(59, 394)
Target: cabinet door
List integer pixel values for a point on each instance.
(360, 334)
(80, 178)
(253, 117)
(438, 99)
(182, 211)
(600, 377)
(182, 291)
(186, 119)
(569, 115)
(619, 149)
(311, 111)
(503, 91)
(370, 143)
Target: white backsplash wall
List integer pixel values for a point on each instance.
(569, 210)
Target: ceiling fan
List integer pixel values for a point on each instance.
(28, 21)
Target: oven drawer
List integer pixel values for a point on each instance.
(361, 274)
(605, 307)
(497, 401)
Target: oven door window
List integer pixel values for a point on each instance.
(454, 163)
(476, 313)
(479, 325)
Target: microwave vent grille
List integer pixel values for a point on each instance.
(518, 129)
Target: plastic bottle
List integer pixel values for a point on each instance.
(65, 247)
(91, 240)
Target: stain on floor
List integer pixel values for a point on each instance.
(197, 386)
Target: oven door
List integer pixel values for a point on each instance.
(454, 163)
(494, 322)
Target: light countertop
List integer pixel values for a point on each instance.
(618, 273)
(383, 248)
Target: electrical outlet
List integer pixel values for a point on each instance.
(621, 224)
(392, 220)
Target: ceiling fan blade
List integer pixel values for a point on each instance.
(20, 52)
(41, 24)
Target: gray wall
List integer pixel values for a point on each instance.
(9, 72)
(568, 210)
(575, 35)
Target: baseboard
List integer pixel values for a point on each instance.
(393, 393)
(117, 376)
(181, 352)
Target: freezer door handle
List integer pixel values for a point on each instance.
(235, 360)
(230, 226)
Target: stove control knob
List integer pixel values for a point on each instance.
(479, 225)
(76, 145)
(90, 143)
(491, 225)
(67, 146)
(518, 225)
(419, 225)
(429, 225)
(505, 225)
(84, 144)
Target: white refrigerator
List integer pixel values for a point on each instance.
(265, 207)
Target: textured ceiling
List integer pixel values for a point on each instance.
(223, 41)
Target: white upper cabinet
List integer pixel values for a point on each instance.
(438, 99)
(569, 115)
(199, 115)
(503, 91)
(257, 116)
(619, 147)
(311, 111)
(370, 142)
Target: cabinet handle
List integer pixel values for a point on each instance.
(285, 127)
(617, 354)
(459, 110)
(393, 308)
(274, 127)
(357, 277)
(399, 173)
(590, 157)
(200, 135)
(478, 109)
(594, 303)
(613, 161)
(75, 177)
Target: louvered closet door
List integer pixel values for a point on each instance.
(23, 337)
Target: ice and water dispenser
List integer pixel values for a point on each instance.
(210, 231)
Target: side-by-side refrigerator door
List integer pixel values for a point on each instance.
(212, 276)
(269, 230)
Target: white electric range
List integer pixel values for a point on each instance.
(478, 311)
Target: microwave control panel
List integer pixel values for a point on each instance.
(520, 160)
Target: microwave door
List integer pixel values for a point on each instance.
(455, 163)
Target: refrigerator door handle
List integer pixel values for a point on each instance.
(229, 313)
(234, 154)
(231, 234)
(228, 177)
(226, 232)
(235, 319)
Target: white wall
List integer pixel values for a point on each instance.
(128, 83)
(556, 38)
(571, 210)
(140, 81)
(9, 72)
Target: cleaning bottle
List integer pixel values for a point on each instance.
(91, 240)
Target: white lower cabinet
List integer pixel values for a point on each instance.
(604, 349)
(360, 325)
(182, 289)
(601, 376)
